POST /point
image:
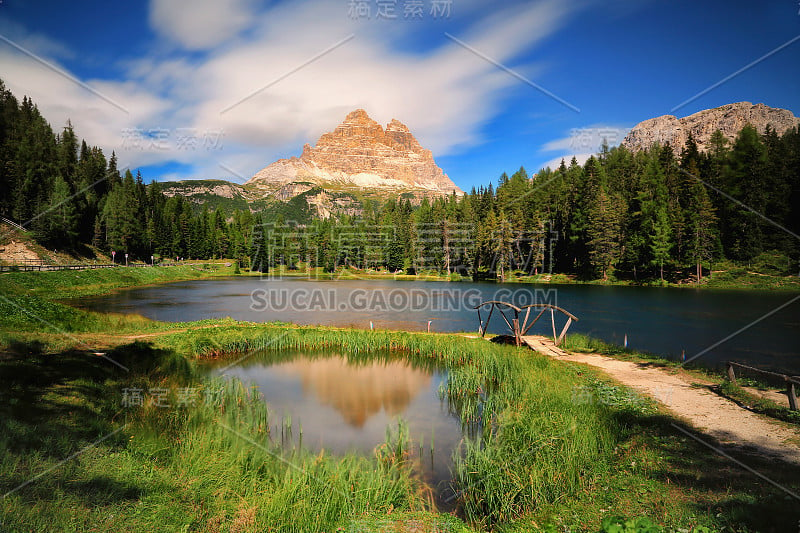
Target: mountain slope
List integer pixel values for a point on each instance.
(214, 193)
(359, 160)
(729, 119)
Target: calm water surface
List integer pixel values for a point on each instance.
(344, 406)
(665, 321)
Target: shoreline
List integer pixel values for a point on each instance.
(734, 279)
(768, 283)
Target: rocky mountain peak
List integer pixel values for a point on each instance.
(729, 119)
(356, 123)
(359, 153)
(396, 125)
(358, 115)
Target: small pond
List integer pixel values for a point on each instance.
(332, 402)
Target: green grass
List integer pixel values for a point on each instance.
(758, 404)
(742, 278)
(578, 342)
(208, 466)
(546, 458)
(29, 301)
(77, 283)
(550, 446)
(735, 278)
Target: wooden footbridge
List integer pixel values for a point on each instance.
(520, 328)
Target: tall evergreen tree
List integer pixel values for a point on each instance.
(702, 225)
(745, 180)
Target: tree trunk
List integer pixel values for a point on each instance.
(446, 238)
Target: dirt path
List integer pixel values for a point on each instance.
(719, 417)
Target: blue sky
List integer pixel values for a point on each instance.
(221, 89)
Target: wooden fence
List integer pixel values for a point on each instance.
(790, 381)
(39, 266)
(43, 267)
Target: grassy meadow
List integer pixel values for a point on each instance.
(560, 447)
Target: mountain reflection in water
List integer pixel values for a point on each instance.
(358, 392)
(346, 404)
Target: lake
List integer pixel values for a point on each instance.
(707, 326)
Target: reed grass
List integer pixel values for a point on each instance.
(222, 451)
(527, 440)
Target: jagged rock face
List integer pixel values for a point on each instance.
(290, 190)
(189, 189)
(359, 153)
(729, 119)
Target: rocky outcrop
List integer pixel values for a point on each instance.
(729, 119)
(16, 253)
(194, 188)
(361, 154)
(325, 204)
(290, 190)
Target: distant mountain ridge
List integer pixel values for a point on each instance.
(356, 161)
(215, 193)
(362, 160)
(729, 119)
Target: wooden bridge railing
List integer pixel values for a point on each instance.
(790, 381)
(45, 267)
(520, 329)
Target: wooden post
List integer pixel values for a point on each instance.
(553, 322)
(525, 321)
(491, 310)
(731, 375)
(564, 331)
(534, 321)
(790, 392)
(516, 331)
(502, 314)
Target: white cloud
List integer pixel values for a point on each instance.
(444, 95)
(588, 138)
(200, 25)
(583, 142)
(94, 111)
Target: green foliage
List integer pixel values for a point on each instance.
(641, 217)
(646, 217)
(184, 468)
(616, 524)
(71, 196)
(774, 263)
